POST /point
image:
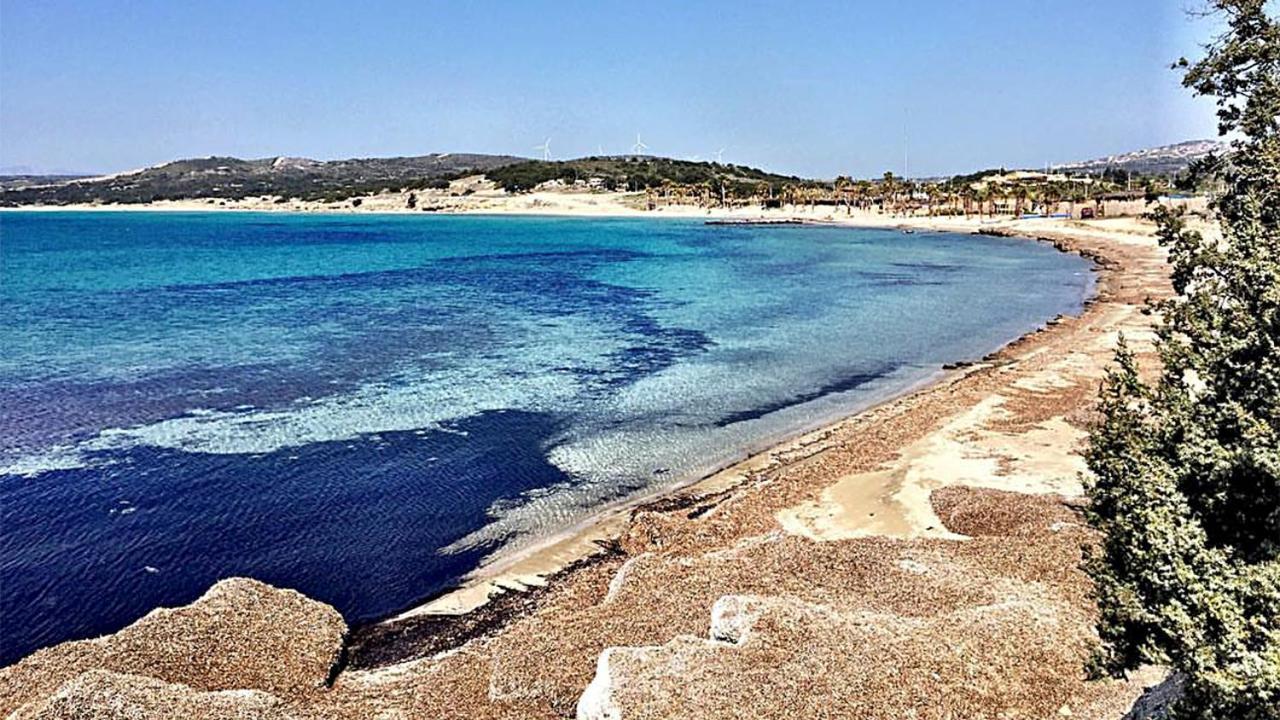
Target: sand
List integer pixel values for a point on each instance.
(919, 559)
(890, 501)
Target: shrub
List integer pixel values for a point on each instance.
(1186, 470)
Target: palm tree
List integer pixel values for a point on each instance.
(764, 191)
(704, 193)
(841, 189)
(938, 197)
(1021, 193)
(987, 198)
(786, 194)
(888, 191)
(967, 195)
(866, 190)
(908, 193)
(666, 191)
(1050, 198)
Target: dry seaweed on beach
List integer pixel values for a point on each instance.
(710, 599)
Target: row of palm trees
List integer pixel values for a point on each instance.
(895, 195)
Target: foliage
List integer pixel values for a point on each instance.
(1186, 470)
(229, 178)
(632, 173)
(971, 178)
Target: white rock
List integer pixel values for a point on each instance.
(597, 702)
(732, 617)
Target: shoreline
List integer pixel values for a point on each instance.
(528, 568)
(888, 548)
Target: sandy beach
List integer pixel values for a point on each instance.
(856, 506)
(919, 559)
(532, 361)
(478, 196)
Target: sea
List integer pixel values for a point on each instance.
(367, 407)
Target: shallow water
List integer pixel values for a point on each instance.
(364, 407)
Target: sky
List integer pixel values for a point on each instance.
(810, 88)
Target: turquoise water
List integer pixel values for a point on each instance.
(364, 407)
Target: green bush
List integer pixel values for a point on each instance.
(1186, 470)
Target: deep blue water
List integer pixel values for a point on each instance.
(364, 407)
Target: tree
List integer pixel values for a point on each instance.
(888, 191)
(968, 194)
(1186, 470)
(841, 191)
(1021, 194)
(984, 194)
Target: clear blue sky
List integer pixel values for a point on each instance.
(803, 87)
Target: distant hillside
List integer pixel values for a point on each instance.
(635, 172)
(10, 181)
(1164, 160)
(233, 178)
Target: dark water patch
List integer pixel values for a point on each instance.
(595, 328)
(390, 277)
(844, 384)
(433, 271)
(367, 325)
(62, 411)
(929, 266)
(356, 524)
(881, 278)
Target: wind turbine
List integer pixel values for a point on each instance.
(545, 148)
(719, 156)
(639, 147)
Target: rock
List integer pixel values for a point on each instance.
(241, 635)
(913, 567)
(732, 617)
(596, 702)
(788, 658)
(1157, 701)
(104, 695)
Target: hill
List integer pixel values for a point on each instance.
(636, 172)
(23, 180)
(233, 179)
(1163, 160)
(230, 178)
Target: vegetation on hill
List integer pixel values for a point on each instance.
(1186, 470)
(231, 178)
(662, 180)
(637, 173)
(13, 182)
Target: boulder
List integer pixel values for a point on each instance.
(241, 635)
(104, 695)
